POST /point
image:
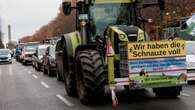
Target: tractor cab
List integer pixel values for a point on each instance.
(94, 17)
(102, 15)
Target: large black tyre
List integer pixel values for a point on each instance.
(90, 76)
(168, 92)
(69, 76)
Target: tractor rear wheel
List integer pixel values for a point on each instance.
(90, 76)
(168, 92)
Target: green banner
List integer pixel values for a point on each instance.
(191, 29)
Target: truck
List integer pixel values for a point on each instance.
(108, 49)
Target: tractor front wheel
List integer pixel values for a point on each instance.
(90, 76)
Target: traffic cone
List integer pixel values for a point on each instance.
(109, 49)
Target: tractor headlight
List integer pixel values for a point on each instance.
(122, 36)
(141, 36)
(83, 17)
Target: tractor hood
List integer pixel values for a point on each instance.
(130, 33)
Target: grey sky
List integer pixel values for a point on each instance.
(26, 16)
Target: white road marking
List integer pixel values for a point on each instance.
(184, 94)
(68, 103)
(35, 76)
(44, 84)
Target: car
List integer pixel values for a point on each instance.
(5, 56)
(37, 59)
(28, 51)
(49, 62)
(59, 60)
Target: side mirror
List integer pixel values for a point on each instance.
(66, 7)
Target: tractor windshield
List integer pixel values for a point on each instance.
(102, 15)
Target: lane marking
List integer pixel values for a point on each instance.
(184, 94)
(63, 99)
(45, 85)
(35, 76)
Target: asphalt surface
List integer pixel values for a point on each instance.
(23, 88)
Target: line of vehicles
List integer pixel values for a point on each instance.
(40, 55)
(46, 57)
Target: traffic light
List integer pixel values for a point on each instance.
(161, 4)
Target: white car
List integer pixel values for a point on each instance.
(27, 52)
(190, 60)
(5, 56)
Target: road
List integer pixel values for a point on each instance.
(23, 88)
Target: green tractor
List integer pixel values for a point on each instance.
(94, 56)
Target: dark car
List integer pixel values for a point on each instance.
(49, 62)
(5, 56)
(59, 60)
(37, 59)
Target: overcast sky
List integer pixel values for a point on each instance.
(26, 16)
